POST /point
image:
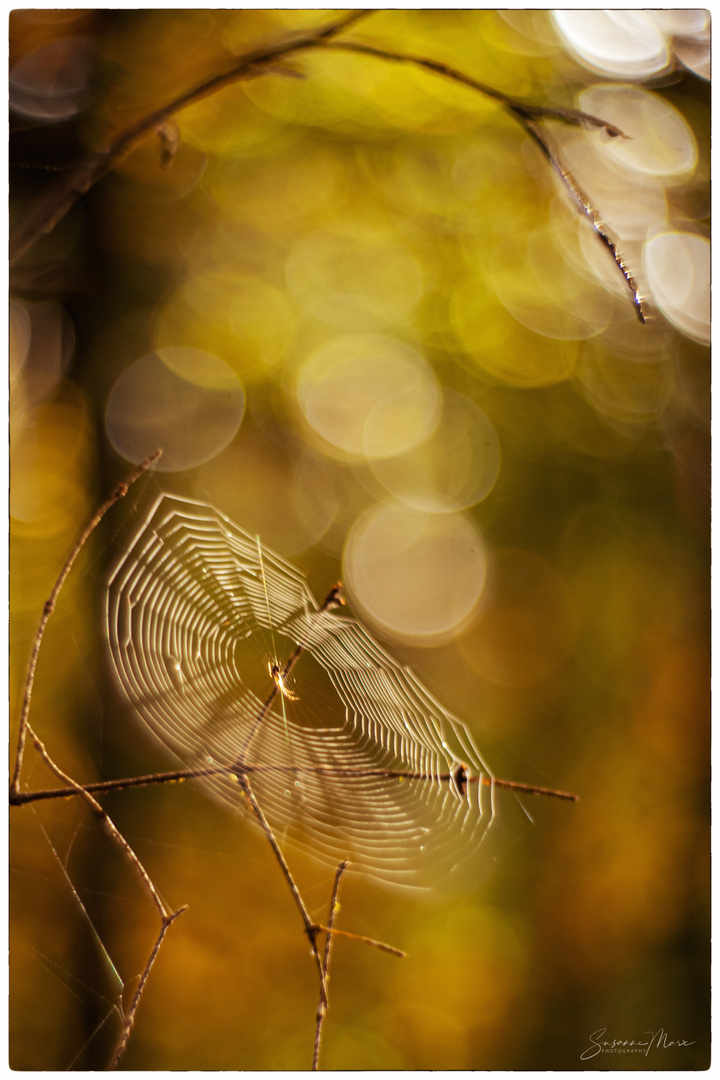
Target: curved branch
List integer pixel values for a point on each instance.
(529, 117)
(77, 183)
(522, 110)
(254, 63)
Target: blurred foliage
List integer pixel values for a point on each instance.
(339, 198)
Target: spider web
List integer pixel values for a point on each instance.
(350, 757)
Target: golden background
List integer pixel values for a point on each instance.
(334, 199)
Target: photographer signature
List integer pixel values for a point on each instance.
(659, 1039)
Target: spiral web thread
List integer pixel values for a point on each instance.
(356, 761)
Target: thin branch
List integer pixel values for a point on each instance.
(584, 205)
(256, 63)
(332, 912)
(167, 918)
(104, 818)
(373, 942)
(527, 789)
(120, 491)
(526, 109)
(311, 928)
(528, 116)
(130, 1015)
(21, 798)
(77, 183)
(323, 1002)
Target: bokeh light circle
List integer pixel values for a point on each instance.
(50, 83)
(238, 316)
(185, 401)
(536, 284)
(369, 395)
(455, 468)
(417, 576)
(503, 347)
(632, 201)
(660, 141)
(19, 334)
(677, 266)
(614, 42)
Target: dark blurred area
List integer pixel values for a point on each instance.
(353, 304)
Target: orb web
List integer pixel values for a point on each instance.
(346, 752)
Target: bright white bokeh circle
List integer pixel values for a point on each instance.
(677, 267)
(620, 42)
(660, 141)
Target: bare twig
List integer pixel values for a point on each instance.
(131, 1013)
(528, 116)
(167, 917)
(584, 205)
(323, 1002)
(311, 928)
(21, 798)
(372, 942)
(120, 491)
(176, 776)
(104, 819)
(265, 60)
(240, 770)
(77, 183)
(520, 108)
(527, 789)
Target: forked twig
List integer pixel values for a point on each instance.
(256, 63)
(311, 928)
(323, 1002)
(242, 772)
(104, 818)
(330, 932)
(167, 917)
(131, 1013)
